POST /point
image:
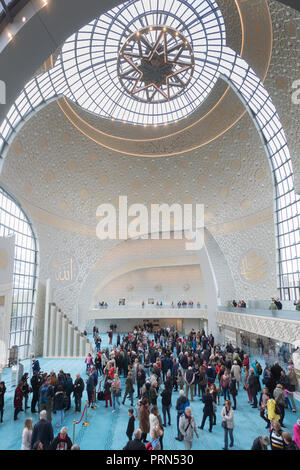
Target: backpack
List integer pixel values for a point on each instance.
(44, 394)
(183, 406)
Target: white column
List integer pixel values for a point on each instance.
(53, 311)
(57, 351)
(88, 347)
(47, 319)
(76, 343)
(64, 336)
(82, 343)
(70, 339)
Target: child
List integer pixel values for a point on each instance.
(130, 427)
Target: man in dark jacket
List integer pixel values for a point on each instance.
(42, 431)
(68, 389)
(166, 404)
(276, 371)
(77, 392)
(90, 385)
(136, 444)
(253, 387)
(175, 367)
(35, 386)
(184, 362)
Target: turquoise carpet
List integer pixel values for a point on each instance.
(107, 430)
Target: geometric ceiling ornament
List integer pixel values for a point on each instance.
(155, 64)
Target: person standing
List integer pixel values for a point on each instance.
(35, 386)
(140, 379)
(236, 370)
(227, 415)
(77, 392)
(187, 427)
(232, 389)
(224, 384)
(27, 435)
(263, 401)
(129, 389)
(26, 390)
(130, 426)
(18, 399)
(2, 393)
(69, 387)
(136, 443)
(181, 405)
(279, 399)
(289, 444)
(208, 410)
(90, 385)
(189, 378)
(253, 382)
(46, 398)
(42, 431)
(62, 441)
(296, 433)
(59, 399)
(166, 405)
(276, 439)
(116, 392)
(144, 419)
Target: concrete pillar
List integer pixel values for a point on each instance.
(76, 343)
(82, 343)
(64, 336)
(52, 328)
(88, 346)
(58, 334)
(47, 319)
(70, 339)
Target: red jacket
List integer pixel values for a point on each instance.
(246, 363)
(18, 398)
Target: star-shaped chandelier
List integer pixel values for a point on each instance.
(155, 64)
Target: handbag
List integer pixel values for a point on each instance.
(224, 424)
(100, 395)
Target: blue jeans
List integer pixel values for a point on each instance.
(114, 400)
(60, 417)
(226, 432)
(287, 402)
(226, 393)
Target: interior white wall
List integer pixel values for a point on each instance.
(176, 283)
(126, 325)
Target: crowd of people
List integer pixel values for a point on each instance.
(152, 368)
(239, 304)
